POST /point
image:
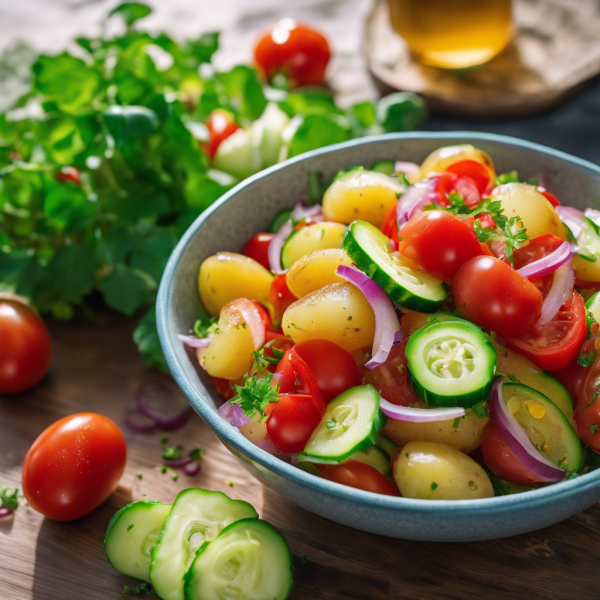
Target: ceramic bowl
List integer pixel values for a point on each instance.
(249, 208)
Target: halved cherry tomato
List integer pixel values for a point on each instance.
(572, 377)
(587, 285)
(297, 51)
(550, 197)
(587, 407)
(501, 460)
(280, 296)
(69, 174)
(439, 242)
(221, 125)
(361, 476)
(451, 182)
(264, 315)
(332, 366)
(557, 343)
(258, 248)
(74, 466)
(390, 225)
(474, 170)
(496, 297)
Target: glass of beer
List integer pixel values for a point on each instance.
(453, 34)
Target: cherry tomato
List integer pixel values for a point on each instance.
(224, 387)
(258, 248)
(391, 379)
(587, 285)
(550, 197)
(439, 242)
(572, 377)
(280, 296)
(496, 297)
(451, 182)
(264, 316)
(74, 466)
(361, 476)
(587, 407)
(24, 347)
(221, 125)
(500, 458)
(292, 421)
(390, 225)
(474, 170)
(297, 51)
(332, 366)
(69, 174)
(555, 344)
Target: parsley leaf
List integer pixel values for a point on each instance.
(255, 395)
(9, 497)
(593, 429)
(585, 358)
(143, 588)
(172, 453)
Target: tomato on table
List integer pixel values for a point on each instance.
(557, 343)
(496, 297)
(221, 125)
(475, 171)
(297, 51)
(74, 466)
(280, 296)
(361, 476)
(587, 407)
(257, 248)
(25, 347)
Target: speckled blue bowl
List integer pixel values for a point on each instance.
(249, 208)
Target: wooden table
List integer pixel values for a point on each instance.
(95, 367)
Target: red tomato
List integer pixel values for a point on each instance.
(439, 242)
(474, 170)
(297, 51)
(572, 377)
(221, 125)
(587, 285)
(587, 408)
(69, 174)
(74, 466)
(550, 197)
(258, 248)
(501, 460)
(390, 225)
(496, 297)
(361, 476)
(451, 182)
(292, 421)
(557, 343)
(24, 347)
(332, 366)
(280, 296)
(391, 379)
(264, 316)
(224, 388)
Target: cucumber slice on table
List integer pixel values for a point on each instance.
(249, 560)
(197, 517)
(131, 535)
(545, 425)
(351, 423)
(451, 364)
(408, 287)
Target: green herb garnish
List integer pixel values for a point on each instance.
(255, 395)
(9, 497)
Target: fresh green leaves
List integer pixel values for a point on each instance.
(130, 122)
(318, 130)
(131, 12)
(255, 395)
(402, 111)
(586, 356)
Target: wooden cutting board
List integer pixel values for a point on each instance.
(556, 49)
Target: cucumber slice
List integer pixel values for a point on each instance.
(351, 423)
(388, 167)
(545, 425)
(506, 488)
(593, 305)
(386, 444)
(197, 517)
(280, 219)
(588, 241)
(451, 364)
(249, 560)
(131, 535)
(309, 239)
(272, 123)
(374, 457)
(413, 289)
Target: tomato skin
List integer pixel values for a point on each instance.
(587, 407)
(390, 225)
(292, 421)
(69, 174)
(567, 332)
(473, 169)
(258, 248)
(332, 366)
(500, 458)
(572, 377)
(550, 197)
(298, 51)
(495, 297)
(224, 387)
(221, 125)
(451, 182)
(73, 466)
(360, 476)
(280, 296)
(25, 347)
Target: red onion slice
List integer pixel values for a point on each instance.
(405, 167)
(420, 415)
(413, 199)
(161, 401)
(192, 468)
(386, 319)
(516, 439)
(5, 512)
(253, 319)
(572, 218)
(193, 341)
(139, 422)
(233, 414)
(549, 263)
(560, 292)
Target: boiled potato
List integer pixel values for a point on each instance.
(442, 158)
(535, 212)
(338, 312)
(309, 239)
(230, 353)
(227, 276)
(316, 270)
(439, 472)
(361, 194)
(466, 436)
(586, 270)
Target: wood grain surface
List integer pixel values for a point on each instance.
(95, 367)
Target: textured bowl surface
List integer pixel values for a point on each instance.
(249, 208)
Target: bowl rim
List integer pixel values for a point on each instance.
(228, 433)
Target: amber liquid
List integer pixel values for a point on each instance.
(453, 34)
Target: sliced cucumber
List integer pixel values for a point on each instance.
(309, 239)
(131, 535)
(593, 305)
(588, 241)
(249, 560)
(351, 423)
(545, 425)
(386, 444)
(413, 289)
(374, 457)
(451, 364)
(197, 517)
(388, 167)
(506, 488)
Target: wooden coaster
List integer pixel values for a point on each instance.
(555, 50)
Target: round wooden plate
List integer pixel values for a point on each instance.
(555, 50)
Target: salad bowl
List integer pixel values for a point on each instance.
(249, 208)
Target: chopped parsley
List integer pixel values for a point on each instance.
(130, 527)
(230, 483)
(304, 559)
(172, 453)
(471, 483)
(296, 327)
(433, 485)
(140, 476)
(331, 424)
(163, 469)
(9, 497)
(263, 360)
(585, 359)
(203, 328)
(255, 395)
(510, 177)
(196, 454)
(175, 477)
(593, 429)
(164, 440)
(481, 411)
(143, 588)
(350, 318)
(455, 423)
